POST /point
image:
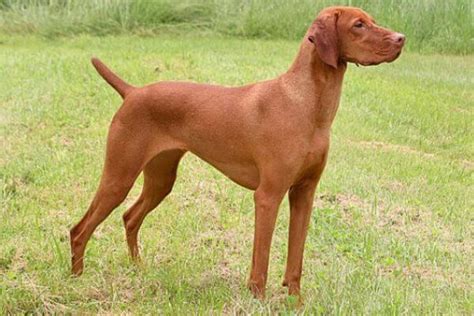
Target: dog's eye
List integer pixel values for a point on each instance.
(359, 25)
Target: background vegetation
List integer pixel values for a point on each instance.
(430, 25)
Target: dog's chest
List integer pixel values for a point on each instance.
(314, 156)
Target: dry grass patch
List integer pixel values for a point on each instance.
(391, 147)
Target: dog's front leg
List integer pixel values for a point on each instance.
(267, 200)
(301, 204)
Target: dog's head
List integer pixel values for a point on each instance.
(346, 34)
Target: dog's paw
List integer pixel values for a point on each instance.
(258, 291)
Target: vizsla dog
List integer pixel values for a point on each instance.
(271, 137)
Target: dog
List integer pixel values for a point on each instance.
(271, 137)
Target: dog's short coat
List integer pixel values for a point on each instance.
(271, 137)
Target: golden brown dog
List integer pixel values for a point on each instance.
(271, 137)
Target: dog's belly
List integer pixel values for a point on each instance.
(243, 173)
(246, 176)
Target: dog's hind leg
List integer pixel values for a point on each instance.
(112, 191)
(125, 158)
(159, 177)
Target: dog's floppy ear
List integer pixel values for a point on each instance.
(323, 35)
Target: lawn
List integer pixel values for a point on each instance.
(391, 232)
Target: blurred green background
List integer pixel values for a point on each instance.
(430, 25)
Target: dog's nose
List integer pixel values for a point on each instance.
(398, 38)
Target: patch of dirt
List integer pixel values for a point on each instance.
(394, 186)
(408, 222)
(231, 252)
(66, 141)
(414, 271)
(467, 164)
(19, 262)
(427, 273)
(405, 149)
(97, 294)
(404, 221)
(345, 201)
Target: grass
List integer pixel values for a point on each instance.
(391, 231)
(430, 26)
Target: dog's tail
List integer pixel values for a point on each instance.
(118, 84)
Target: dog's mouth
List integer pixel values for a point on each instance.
(397, 54)
(368, 64)
(390, 59)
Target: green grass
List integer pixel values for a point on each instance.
(430, 25)
(391, 231)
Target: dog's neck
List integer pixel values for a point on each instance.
(317, 84)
